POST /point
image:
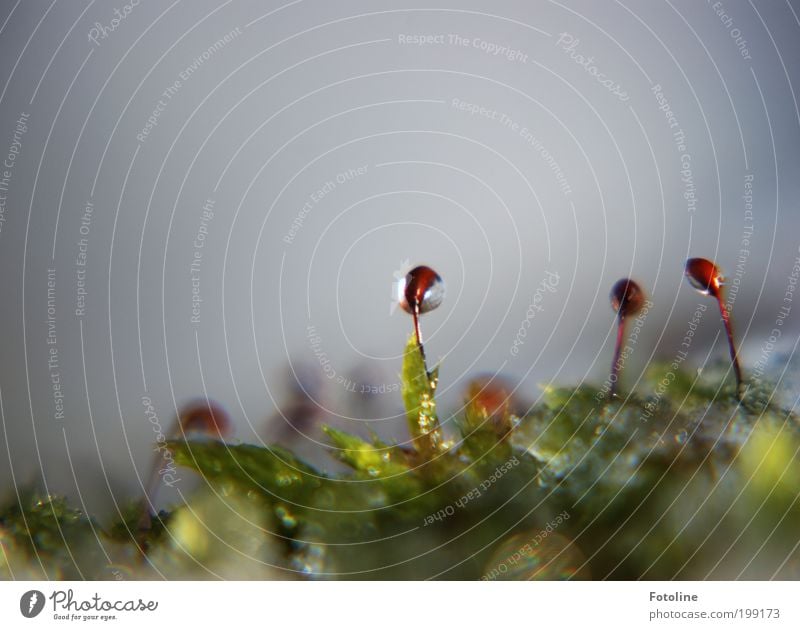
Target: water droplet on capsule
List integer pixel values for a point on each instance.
(627, 297)
(422, 291)
(704, 276)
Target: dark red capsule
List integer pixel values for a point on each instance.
(627, 297)
(422, 291)
(705, 276)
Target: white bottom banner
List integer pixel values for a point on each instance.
(390, 605)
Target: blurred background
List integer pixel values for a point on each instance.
(215, 200)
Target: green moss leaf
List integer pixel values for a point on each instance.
(373, 460)
(686, 482)
(418, 389)
(45, 535)
(272, 471)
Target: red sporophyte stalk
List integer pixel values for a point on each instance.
(422, 292)
(707, 278)
(627, 299)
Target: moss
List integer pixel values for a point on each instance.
(682, 481)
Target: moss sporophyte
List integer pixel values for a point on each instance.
(707, 278)
(658, 484)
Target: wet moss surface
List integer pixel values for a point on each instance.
(685, 482)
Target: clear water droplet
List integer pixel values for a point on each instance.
(310, 556)
(600, 429)
(704, 276)
(286, 518)
(284, 479)
(309, 560)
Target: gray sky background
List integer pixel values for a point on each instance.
(494, 141)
